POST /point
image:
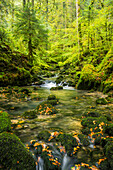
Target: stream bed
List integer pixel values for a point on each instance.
(72, 104)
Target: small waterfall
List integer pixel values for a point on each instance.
(48, 84)
(66, 161)
(40, 164)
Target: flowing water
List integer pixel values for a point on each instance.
(72, 104)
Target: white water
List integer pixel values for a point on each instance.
(66, 161)
(48, 84)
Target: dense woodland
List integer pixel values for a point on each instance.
(72, 39)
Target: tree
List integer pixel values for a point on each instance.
(31, 28)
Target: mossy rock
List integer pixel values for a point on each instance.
(13, 154)
(83, 139)
(57, 88)
(52, 100)
(109, 129)
(49, 165)
(25, 91)
(101, 101)
(91, 114)
(5, 122)
(104, 165)
(51, 97)
(30, 114)
(46, 109)
(92, 122)
(44, 135)
(109, 153)
(59, 79)
(68, 141)
(85, 130)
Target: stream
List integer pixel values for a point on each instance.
(72, 104)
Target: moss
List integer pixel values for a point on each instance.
(101, 101)
(5, 123)
(91, 114)
(30, 114)
(68, 141)
(44, 135)
(83, 139)
(109, 153)
(46, 109)
(104, 165)
(57, 88)
(94, 122)
(51, 97)
(109, 129)
(13, 154)
(59, 79)
(25, 91)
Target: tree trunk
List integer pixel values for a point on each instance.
(24, 3)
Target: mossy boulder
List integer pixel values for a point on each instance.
(46, 109)
(59, 79)
(83, 140)
(101, 101)
(5, 122)
(51, 97)
(104, 165)
(44, 135)
(13, 154)
(109, 129)
(57, 88)
(109, 153)
(89, 78)
(68, 141)
(94, 122)
(30, 114)
(91, 114)
(52, 100)
(25, 91)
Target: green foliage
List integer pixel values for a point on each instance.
(13, 154)
(5, 122)
(31, 28)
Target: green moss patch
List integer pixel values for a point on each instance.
(5, 122)
(13, 154)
